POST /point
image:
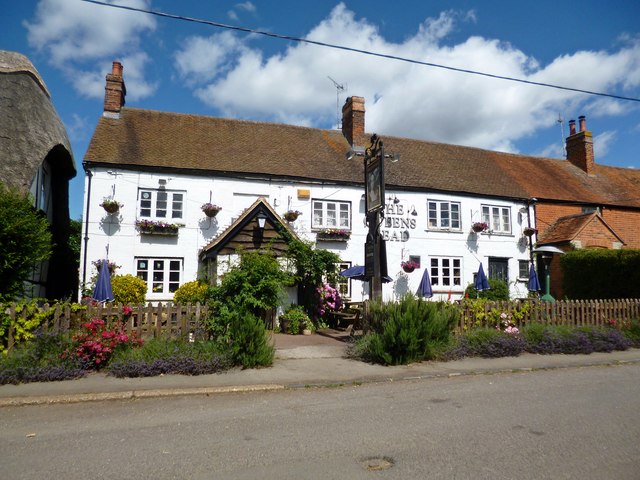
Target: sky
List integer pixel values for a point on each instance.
(188, 67)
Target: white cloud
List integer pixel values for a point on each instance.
(603, 142)
(405, 99)
(203, 58)
(74, 34)
(246, 6)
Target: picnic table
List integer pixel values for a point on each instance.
(348, 318)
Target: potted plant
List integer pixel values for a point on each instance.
(479, 227)
(294, 320)
(409, 266)
(529, 231)
(110, 205)
(292, 215)
(210, 209)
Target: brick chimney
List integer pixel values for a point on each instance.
(580, 146)
(353, 120)
(114, 92)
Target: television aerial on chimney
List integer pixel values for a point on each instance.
(560, 121)
(339, 88)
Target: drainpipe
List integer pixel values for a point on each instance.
(531, 202)
(86, 229)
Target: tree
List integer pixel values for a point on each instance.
(25, 239)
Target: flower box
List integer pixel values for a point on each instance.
(479, 227)
(334, 235)
(292, 215)
(150, 227)
(111, 206)
(210, 210)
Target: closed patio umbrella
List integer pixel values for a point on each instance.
(103, 292)
(357, 273)
(481, 280)
(424, 289)
(534, 283)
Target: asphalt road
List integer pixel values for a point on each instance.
(580, 423)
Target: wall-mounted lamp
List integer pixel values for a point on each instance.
(262, 220)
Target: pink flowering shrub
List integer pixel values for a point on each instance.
(96, 342)
(328, 300)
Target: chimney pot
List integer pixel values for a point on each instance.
(116, 69)
(583, 123)
(572, 127)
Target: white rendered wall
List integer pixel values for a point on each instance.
(407, 233)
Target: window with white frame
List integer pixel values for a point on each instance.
(331, 214)
(498, 218)
(523, 269)
(165, 204)
(446, 271)
(444, 215)
(162, 275)
(343, 283)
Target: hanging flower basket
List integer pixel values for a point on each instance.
(334, 235)
(529, 231)
(151, 227)
(111, 206)
(110, 265)
(479, 227)
(409, 266)
(210, 210)
(292, 215)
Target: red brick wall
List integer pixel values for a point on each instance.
(626, 224)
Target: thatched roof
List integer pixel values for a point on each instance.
(30, 126)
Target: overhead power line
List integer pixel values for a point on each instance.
(358, 50)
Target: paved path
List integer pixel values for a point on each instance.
(301, 361)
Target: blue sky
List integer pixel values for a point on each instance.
(188, 67)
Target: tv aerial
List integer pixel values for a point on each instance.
(339, 88)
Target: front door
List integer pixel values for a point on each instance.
(499, 268)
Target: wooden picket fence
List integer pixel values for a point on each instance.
(145, 321)
(615, 312)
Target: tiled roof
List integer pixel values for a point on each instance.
(566, 229)
(145, 138)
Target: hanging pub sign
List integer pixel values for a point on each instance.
(374, 175)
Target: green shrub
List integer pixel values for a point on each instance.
(249, 341)
(191, 292)
(409, 330)
(39, 360)
(24, 240)
(601, 273)
(295, 319)
(498, 290)
(128, 289)
(632, 332)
